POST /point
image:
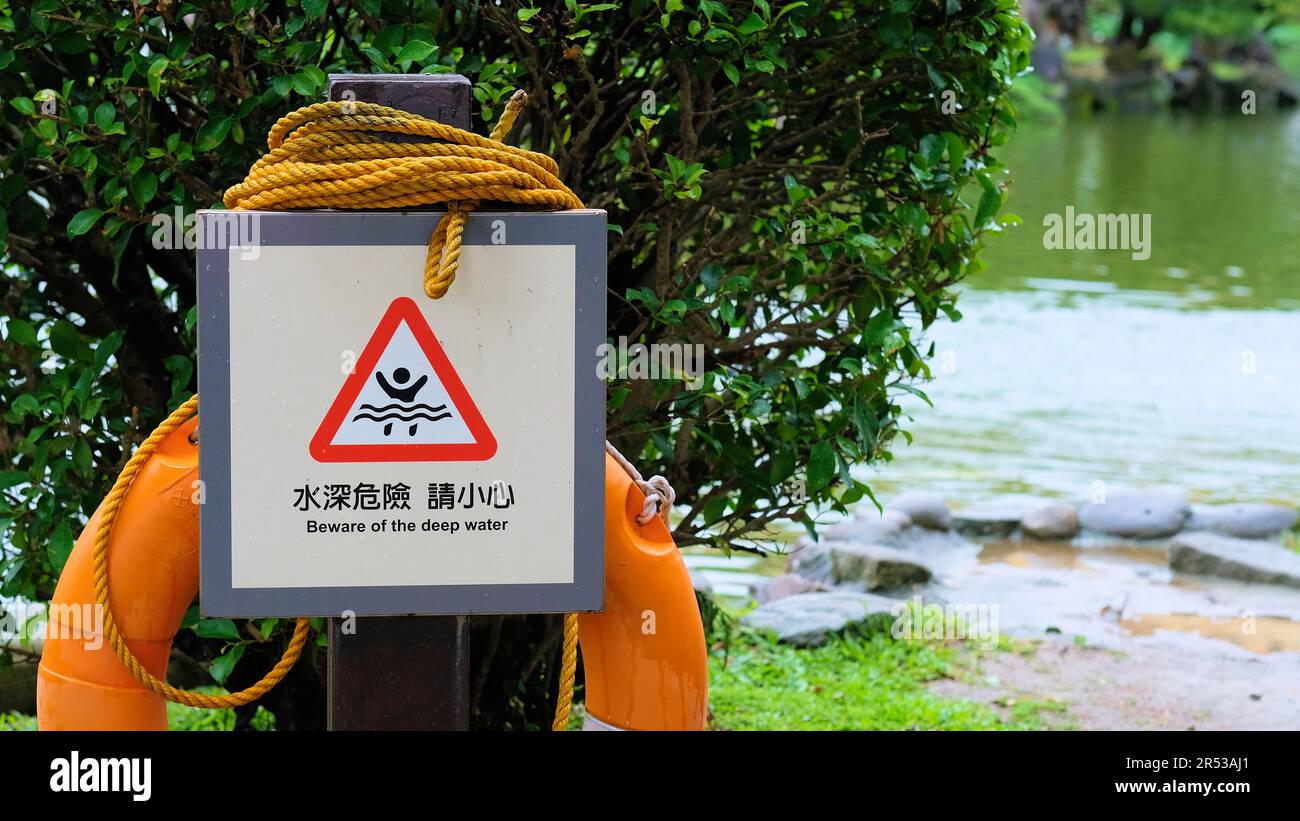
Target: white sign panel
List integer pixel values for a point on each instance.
(365, 448)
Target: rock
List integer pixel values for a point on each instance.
(871, 526)
(855, 565)
(925, 509)
(1247, 560)
(895, 529)
(787, 584)
(1055, 520)
(1137, 514)
(1247, 521)
(986, 523)
(700, 582)
(926, 544)
(875, 567)
(811, 560)
(810, 619)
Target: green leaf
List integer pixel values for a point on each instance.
(65, 340)
(213, 132)
(83, 221)
(217, 629)
(313, 9)
(990, 202)
(24, 105)
(821, 466)
(223, 664)
(60, 546)
(104, 116)
(752, 25)
(83, 459)
(733, 73)
(782, 466)
(317, 76)
(880, 328)
(26, 405)
(932, 146)
(9, 478)
(22, 332)
(47, 130)
(413, 52)
(956, 152)
(106, 349)
(303, 84)
(143, 187)
(156, 69)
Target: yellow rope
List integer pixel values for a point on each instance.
(334, 155)
(568, 671)
(115, 640)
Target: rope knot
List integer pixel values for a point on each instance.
(659, 498)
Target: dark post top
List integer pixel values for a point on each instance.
(442, 97)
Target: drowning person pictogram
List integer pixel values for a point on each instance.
(405, 409)
(403, 401)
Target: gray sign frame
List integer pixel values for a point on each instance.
(585, 230)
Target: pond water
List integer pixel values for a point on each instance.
(1072, 367)
(1077, 366)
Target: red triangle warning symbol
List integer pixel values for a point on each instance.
(403, 402)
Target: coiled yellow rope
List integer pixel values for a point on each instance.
(112, 503)
(334, 155)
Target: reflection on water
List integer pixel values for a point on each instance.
(1258, 635)
(1065, 556)
(733, 576)
(1072, 367)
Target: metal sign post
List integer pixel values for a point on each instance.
(393, 462)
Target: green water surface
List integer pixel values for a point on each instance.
(1073, 366)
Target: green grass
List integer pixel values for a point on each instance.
(852, 683)
(1030, 711)
(179, 717)
(17, 721)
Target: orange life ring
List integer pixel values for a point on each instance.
(153, 563)
(644, 656)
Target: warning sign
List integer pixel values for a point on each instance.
(404, 402)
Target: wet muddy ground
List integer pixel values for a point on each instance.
(1108, 632)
